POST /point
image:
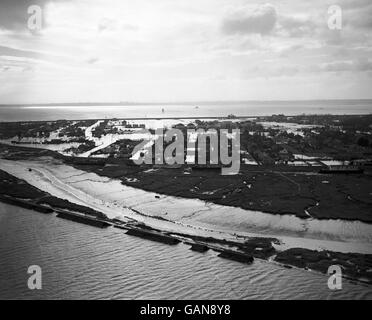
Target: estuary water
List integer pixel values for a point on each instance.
(220, 109)
(84, 262)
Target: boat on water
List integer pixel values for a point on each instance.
(25, 204)
(199, 247)
(236, 256)
(152, 235)
(82, 219)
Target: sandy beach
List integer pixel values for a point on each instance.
(190, 216)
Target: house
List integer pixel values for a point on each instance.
(284, 155)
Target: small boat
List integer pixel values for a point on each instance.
(236, 256)
(82, 219)
(153, 235)
(199, 247)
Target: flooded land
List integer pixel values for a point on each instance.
(285, 205)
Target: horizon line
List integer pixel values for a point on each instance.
(129, 103)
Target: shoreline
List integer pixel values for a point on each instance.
(162, 181)
(261, 248)
(287, 200)
(84, 187)
(254, 248)
(161, 117)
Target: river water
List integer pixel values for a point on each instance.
(83, 262)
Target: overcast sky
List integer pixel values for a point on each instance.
(184, 50)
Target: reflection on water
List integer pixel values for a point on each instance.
(80, 261)
(249, 108)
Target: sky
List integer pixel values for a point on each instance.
(184, 50)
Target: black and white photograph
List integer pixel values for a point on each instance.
(185, 150)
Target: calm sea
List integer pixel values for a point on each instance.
(249, 108)
(83, 262)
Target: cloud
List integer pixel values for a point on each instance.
(28, 56)
(92, 60)
(260, 21)
(295, 26)
(7, 51)
(358, 17)
(106, 24)
(14, 63)
(130, 27)
(353, 65)
(14, 15)
(354, 4)
(166, 49)
(4, 68)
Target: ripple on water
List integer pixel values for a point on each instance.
(80, 261)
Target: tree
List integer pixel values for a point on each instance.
(363, 142)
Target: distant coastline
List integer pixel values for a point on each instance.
(171, 103)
